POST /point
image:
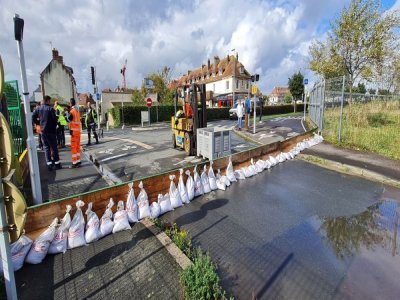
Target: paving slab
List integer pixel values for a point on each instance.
(132, 264)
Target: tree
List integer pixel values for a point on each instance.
(358, 42)
(372, 91)
(296, 85)
(137, 97)
(288, 98)
(160, 79)
(361, 88)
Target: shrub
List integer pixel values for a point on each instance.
(200, 280)
(181, 239)
(377, 119)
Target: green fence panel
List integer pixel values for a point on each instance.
(11, 92)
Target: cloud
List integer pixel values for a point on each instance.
(271, 37)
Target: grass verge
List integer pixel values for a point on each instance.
(200, 280)
(372, 126)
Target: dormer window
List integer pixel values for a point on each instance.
(241, 69)
(220, 72)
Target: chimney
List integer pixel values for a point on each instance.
(60, 59)
(208, 64)
(237, 56)
(202, 67)
(227, 57)
(55, 53)
(188, 72)
(216, 62)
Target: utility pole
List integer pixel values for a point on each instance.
(30, 141)
(94, 83)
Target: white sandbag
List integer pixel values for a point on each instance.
(76, 232)
(280, 158)
(291, 154)
(19, 249)
(211, 178)
(182, 188)
(121, 221)
(268, 164)
(198, 185)
(287, 155)
(165, 203)
(230, 173)
(223, 178)
(239, 174)
(220, 184)
(205, 181)
(106, 221)
(257, 169)
(155, 210)
(93, 232)
(189, 185)
(143, 203)
(174, 195)
(260, 165)
(60, 241)
(273, 161)
(41, 245)
(131, 205)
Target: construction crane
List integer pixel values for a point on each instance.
(123, 74)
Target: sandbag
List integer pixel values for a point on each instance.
(248, 171)
(198, 185)
(205, 181)
(182, 188)
(93, 232)
(239, 174)
(189, 185)
(287, 155)
(155, 210)
(280, 157)
(220, 184)
(211, 178)
(41, 245)
(260, 165)
(143, 203)
(230, 173)
(224, 178)
(268, 164)
(174, 195)
(131, 205)
(273, 161)
(121, 221)
(165, 203)
(19, 249)
(256, 169)
(106, 221)
(76, 232)
(60, 241)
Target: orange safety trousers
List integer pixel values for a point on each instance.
(76, 146)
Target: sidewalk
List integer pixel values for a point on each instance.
(368, 161)
(131, 264)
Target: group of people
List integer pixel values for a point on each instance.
(50, 124)
(243, 109)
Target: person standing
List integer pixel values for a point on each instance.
(62, 122)
(247, 110)
(90, 123)
(37, 129)
(48, 128)
(74, 118)
(239, 113)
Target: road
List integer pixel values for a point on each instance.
(299, 231)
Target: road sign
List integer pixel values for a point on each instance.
(254, 89)
(305, 81)
(149, 102)
(97, 96)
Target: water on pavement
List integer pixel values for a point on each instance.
(299, 231)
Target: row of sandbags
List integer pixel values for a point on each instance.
(68, 234)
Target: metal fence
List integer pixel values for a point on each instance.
(11, 93)
(330, 102)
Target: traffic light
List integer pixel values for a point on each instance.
(255, 77)
(93, 79)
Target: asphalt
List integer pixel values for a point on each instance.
(369, 161)
(131, 264)
(300, 231)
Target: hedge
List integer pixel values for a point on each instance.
(132, 114)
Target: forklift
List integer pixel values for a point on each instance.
(185, 123)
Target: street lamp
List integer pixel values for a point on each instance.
(30, 142)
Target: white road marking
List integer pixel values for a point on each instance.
(148, 147)
(113, 157)
(302, 124)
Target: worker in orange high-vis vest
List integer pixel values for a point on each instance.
(75, 130)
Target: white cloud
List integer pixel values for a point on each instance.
(271, 37)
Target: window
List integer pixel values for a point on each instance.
(237, 84)
(227, 84)
(242, 84)
(241, 69)
(220, 72)
(247, 84)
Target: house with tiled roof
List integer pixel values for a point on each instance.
(224, 78)
(57, 79)
(278, 94)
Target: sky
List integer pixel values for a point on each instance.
(271, 37)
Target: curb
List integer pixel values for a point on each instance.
(349, 169)
(172, 249)
(107, 175)
(247, 138)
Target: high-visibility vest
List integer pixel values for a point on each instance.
(61, 118)
(93, 116)
(75, 124)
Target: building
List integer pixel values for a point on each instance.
(278, 95)
(223, 78)
(57, 79)
(110, 99)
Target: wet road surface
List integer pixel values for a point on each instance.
(299, 231)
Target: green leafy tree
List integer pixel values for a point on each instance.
(288, 98)
(160, 79)
(358, 42)
(372, 91)
(137, 97)
(296, 85)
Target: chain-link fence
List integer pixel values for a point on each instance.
(367, 118)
